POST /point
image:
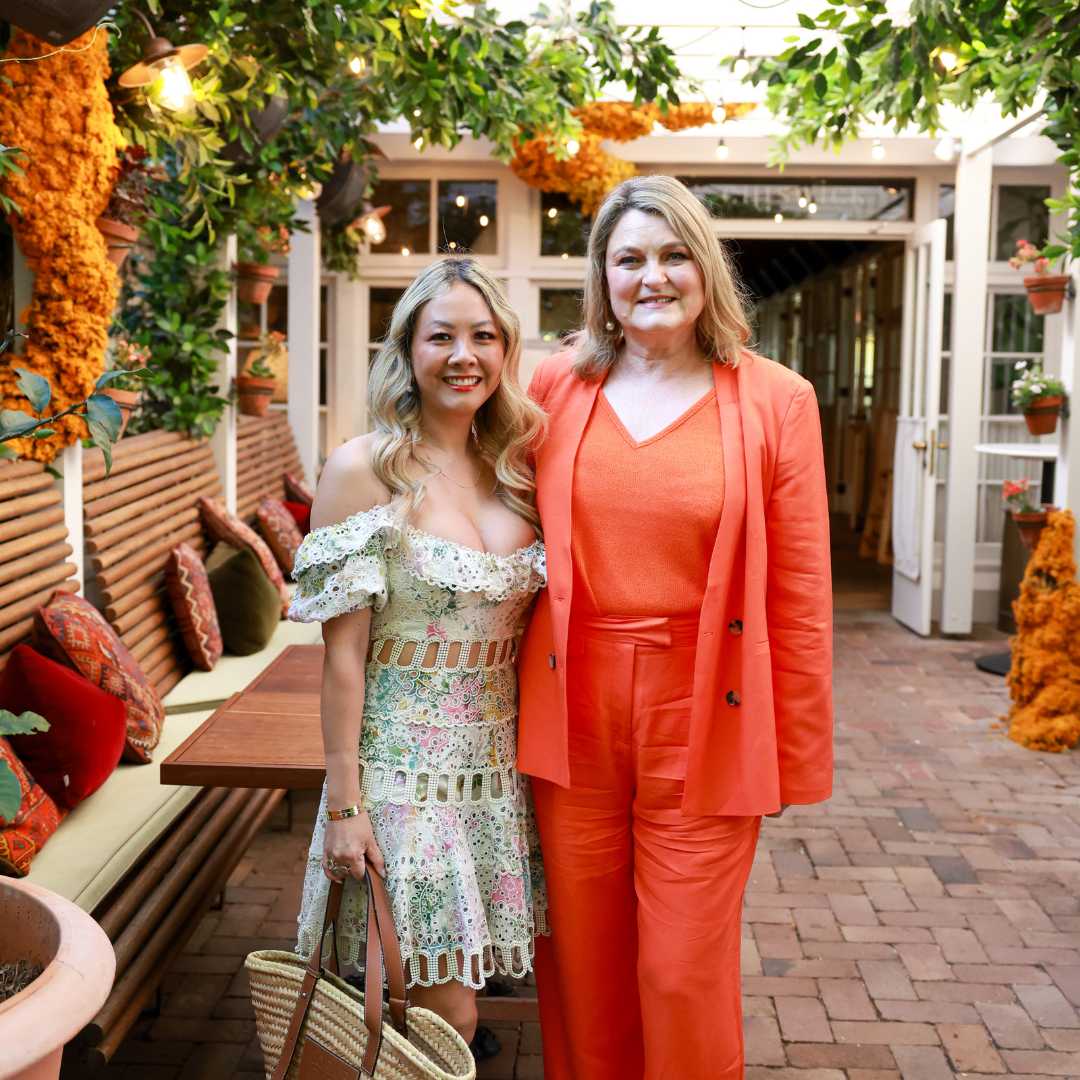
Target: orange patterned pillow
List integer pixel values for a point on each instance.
(193, 602)
(35, 821)
(296, 490)
(281, 532)
(228, 528)
(73, 631)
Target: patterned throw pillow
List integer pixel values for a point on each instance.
(301, 514)
(193, 602)
(73, 632)
(35, 821)
(297, 490)
(229, 529)
(281, 532)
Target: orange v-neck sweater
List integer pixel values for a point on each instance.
(645, 514)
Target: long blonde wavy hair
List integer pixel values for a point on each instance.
(722, 327)
(505, 427)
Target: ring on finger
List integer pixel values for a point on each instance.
(336, 867)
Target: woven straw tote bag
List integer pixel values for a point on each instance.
(315, 1026)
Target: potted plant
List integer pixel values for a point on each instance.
(255, 385)
(255, 276)
(1039, 396)
(1030, 519)
(1046, 291)
(123, 217)
(129, 361)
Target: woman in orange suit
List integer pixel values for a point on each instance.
(675, 678)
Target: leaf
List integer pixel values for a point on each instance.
(821, 86)
(44, 433)
(99, 436)
(24, 724)
(854, 69)
(14, 422)
(10, 794)
(119, 373)
(6, 452)
(36, 389)
(806, 21)
(104, 411)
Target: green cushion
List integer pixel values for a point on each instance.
(247, 601)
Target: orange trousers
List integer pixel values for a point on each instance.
(639, 979)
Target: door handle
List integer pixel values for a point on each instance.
(918, 445)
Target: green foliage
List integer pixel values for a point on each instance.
(874, 68)
(10, 792)
(9, 165)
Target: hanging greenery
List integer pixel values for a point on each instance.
(58, 111)
(862, 63)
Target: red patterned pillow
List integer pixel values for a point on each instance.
(86, 732)
(281, 532)
(34, 822)
(193, 602)
(301, 514)
(223, 526)
(72, 631)
(297, 490)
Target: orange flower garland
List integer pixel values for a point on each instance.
(58, 111)
(1045, 677)
(592, 172)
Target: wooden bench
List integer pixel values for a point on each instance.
(266, 451)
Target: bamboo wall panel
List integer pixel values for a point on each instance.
(266, 451)
(34, 550)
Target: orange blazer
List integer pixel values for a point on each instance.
(761, 716)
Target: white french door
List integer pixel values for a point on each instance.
(917, 450)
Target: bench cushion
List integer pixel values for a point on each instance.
(231, 674)
(105, 835)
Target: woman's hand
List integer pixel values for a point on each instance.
(348, 846)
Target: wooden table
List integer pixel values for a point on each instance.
(266, 736)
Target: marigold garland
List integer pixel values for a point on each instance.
(1045, 677)
(58, 111)
(592, 172)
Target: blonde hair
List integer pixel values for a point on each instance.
(505, 427)
(722, 327)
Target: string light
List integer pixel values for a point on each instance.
(803, 200)
(572, 147)
(778, 217)
(485, 221)
(722, 150)
(565, 255)
(947, 58)
(357, 65)
(405, 252)
(741, 67)
(418, 142)
(553, 212)
(460, 202)
(877, 150)
(811, 207)
(416, 112)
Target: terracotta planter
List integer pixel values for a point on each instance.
(253, 395)
(254, 281)
(1041, 415)
(1030, 527)
(1046, 292)
(128, 400)
(119, 237)
(79, 962)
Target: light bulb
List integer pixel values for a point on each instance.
(877, 150)
(778, 217)
(357, 65)
(948, 59)
(803, 200)
(374, 229)
(741, 68)
(418, 142)
(485, 221)
(811, 207)
(452, 245)
(719, 114)
(173, 88)
(722, 151)
(945, 149)
(416, 112)
(572, 147)
(553, 212)
(406, 252)
(460, 202)
(565, 255)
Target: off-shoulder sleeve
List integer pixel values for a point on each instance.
(342, 568)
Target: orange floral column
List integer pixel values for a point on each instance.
(57, 110)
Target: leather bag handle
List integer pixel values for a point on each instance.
(383, 954)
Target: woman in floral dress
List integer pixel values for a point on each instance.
(422, 564)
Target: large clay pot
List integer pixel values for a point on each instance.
(254, 281)
(127, 400)
(253, 395)
(1030, 527)
(39, 926)
(265, 124)
(1046, 292)
(1041, 415)
(119, 237)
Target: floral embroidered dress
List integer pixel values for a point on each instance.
(450, 814)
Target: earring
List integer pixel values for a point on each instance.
(609, 326)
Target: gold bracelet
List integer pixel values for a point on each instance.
(345, 812)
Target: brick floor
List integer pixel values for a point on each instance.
(924, 924)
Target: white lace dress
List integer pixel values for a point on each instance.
(452, 817)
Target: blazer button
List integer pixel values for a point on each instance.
(735, 627)
(733, 698)
(551, 661)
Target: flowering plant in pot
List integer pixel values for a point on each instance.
(1029, 518)
(123, 217)
(1038, 396)
(255, 385)
(128, 364)
(1046, 291)
(255, 276)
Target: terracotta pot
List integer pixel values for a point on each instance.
(39, 926)
(1030, 527)
(128, 400)
(254, 281)
(1046, 292)
(1041, 415)
(253, 395)
(119, 237)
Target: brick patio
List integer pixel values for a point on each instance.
(925, 924)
